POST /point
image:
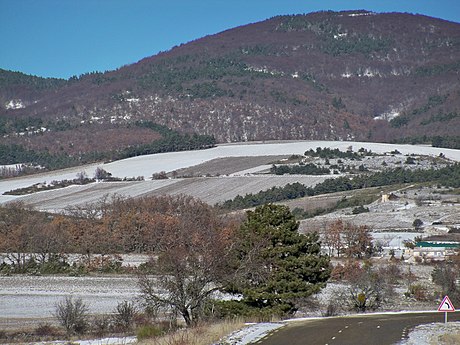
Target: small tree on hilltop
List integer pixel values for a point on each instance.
(277, 266)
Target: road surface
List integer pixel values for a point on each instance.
(382, 329)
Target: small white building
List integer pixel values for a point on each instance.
(435, 251)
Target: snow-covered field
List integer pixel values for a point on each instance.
(173, 161)
(36, 297)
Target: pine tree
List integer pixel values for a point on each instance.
(276, 264)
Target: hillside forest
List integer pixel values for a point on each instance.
(351, 75)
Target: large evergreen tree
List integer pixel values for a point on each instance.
(277, 265)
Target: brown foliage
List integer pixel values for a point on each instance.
(116, 225)
(347, 238)
(350, 271)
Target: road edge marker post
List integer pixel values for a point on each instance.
(446, 306)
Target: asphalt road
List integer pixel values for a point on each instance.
(383, 329)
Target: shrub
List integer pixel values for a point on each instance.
(332, 309)
(125, 314)
(101, 325)
(72, 315)
(360, 209)
(417, 223)
(45, 330)
(419, 292)
(231, 309)
(349, 271)
(148, 331)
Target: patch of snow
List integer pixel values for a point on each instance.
(103, 341)
(15, 104)
(340, 35)
(108, 341)
(388, 116)
(361, 14)
(250, 171)
(251, 333)
(264, 70)
(368, 73)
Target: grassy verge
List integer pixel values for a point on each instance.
(204, 334)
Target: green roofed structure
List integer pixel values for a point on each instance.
(435, 251)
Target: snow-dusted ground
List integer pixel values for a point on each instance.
(149, 164)
(430, 334)
(23, 297)
(56, 200)
(103, 341)
(251, 333)
(209, 189)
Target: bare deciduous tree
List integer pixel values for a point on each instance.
(190, 264)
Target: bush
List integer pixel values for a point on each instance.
(417, 224)
(231, 309)
(45, 330)
(419, 292)
(101, 325)
(332, 309)
(360, 209)
(148, 331)
(72, 315)
(125, 314)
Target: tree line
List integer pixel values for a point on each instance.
(171, 141)
(304, 169)
(449, 142)
(448, 176)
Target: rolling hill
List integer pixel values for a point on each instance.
(353, 75)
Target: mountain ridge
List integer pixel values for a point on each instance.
(350, 75)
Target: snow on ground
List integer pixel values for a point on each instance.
(255, 170)
(55, 200)
(430, 334)
(104, 341)
(36, 296)
(149, 164)
(251, 333)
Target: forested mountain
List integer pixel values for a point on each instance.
(326, 75)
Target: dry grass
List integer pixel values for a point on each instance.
(447, 339)
(205, 334)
